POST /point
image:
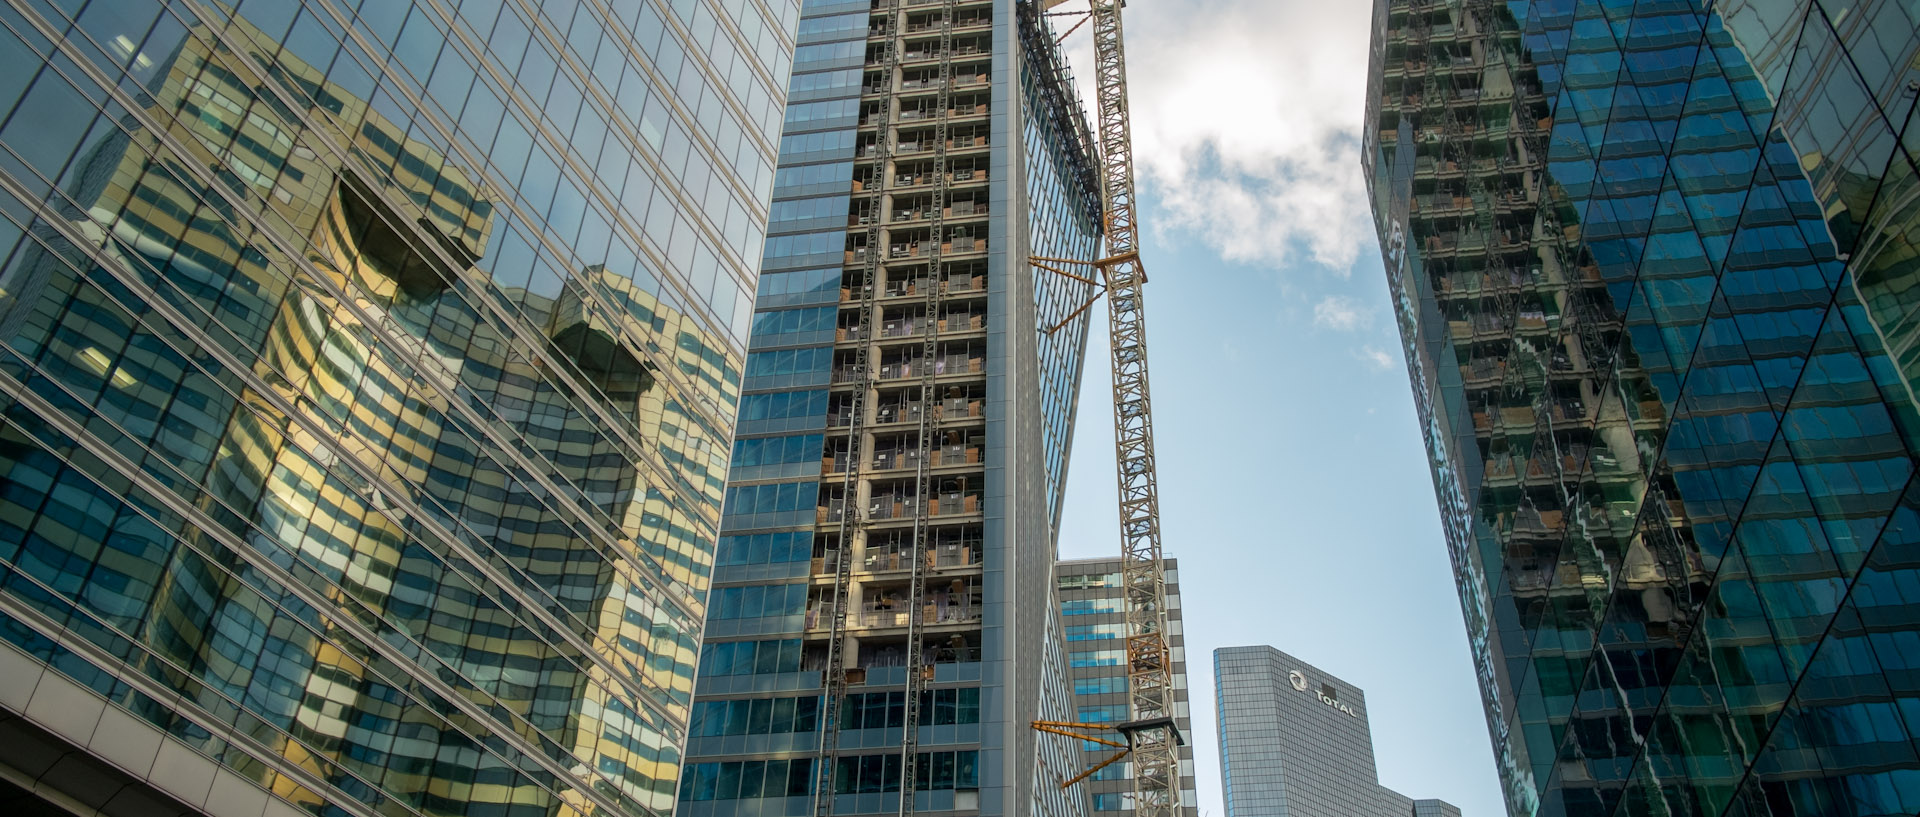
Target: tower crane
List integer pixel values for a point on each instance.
(1151, 738)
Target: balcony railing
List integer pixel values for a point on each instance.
(956, 455)
(952, 554)
(948, 506)
(960, 407)
(883, 614)
(897, 458)
(902, 327)
(892, 507)
(897, 413)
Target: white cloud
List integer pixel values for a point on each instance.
(1340, 313)
(1376, 357)
(1246, 123)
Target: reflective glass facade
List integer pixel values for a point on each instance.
(368, 375)
(889, 524)
(1650, 263)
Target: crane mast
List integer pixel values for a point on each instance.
(1152, 739)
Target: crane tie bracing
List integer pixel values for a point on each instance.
(1152, 739)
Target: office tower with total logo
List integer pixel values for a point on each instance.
(1295, 742)
(1095, 626)
(882, 631)
(367, 372)
(1653, 266)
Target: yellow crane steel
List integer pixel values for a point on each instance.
(1152, 739)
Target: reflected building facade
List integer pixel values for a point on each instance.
(1652, 268)
(882, 629)
(365, 395)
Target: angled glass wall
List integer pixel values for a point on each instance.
(367, 379)
(1649, 262)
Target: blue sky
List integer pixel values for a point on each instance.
(1294, 488)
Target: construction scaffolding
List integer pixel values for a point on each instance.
(899, 533)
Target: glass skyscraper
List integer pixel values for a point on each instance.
(1652, 264)
(882, 628)
(1095, 625)
(367, 377)
(1295, 741)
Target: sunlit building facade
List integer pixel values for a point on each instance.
(889, 536)
(1652, 264)
(368, 377)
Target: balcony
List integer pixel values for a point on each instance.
(950, 364)
(959, 209)
(927, 53)
(951, 284)
(922, 249)
(896, 458)
(961, 408)
(957, 455)
(892, 506)
(891, 614)
(911, 180)
(955, 504)
(901, 412)
(903, 327)
(912, 148)
(943, 556)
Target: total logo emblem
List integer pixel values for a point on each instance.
(1299, 682)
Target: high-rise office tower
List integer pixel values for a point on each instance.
(367, 372)
(1095, 625)
(882, 629)
(1652, 265)
(1295, 742)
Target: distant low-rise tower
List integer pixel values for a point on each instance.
(1295, 742)
(1095, 618)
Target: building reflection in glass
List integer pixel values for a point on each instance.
(1648, 264)
(381, 467)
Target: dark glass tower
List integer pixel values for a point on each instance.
(367, 369)
(882, 629)
(1652, 265)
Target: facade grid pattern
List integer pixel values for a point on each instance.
(1295, 741)
(881, 470)
(1092, 605)
(1652, 266)
(367, 374)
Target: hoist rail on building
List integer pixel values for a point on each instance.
(834, 674)
(1152, 739)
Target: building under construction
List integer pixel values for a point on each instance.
(889, 530)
